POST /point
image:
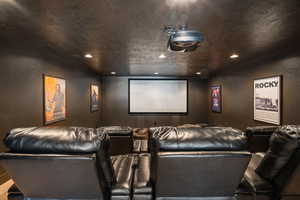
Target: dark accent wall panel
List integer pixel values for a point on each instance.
(237, 85)
(21, 87)
(115, 105)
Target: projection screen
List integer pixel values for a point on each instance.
(158, 96)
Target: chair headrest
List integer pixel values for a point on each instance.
(54, 140)
(199, 139)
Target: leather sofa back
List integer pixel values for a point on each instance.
(192, 163)
(55, 176)
(48, 140)
(41, 159)
(198, 139)
(188, 175)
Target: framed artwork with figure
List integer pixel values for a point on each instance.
(216, 98)
(54, 99)
(94, 97)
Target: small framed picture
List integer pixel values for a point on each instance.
(216, 98)
(54, 99)
(267, 99)
(94, 96)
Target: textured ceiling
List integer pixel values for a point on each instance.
(126, 36)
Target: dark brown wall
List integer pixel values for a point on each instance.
(115, 105)
(21, 86)
(237, 84)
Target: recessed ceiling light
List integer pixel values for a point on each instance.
(155, 73)
(162, 56)
(113, 73)
(88, 55)
(233, 56)
(198, 73)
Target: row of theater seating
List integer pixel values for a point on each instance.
(126, 139)
(184, 163)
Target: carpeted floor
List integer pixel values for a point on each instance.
(3, 189)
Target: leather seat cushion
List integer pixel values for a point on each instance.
(116, 130)
(137, 146)
(123, 169)
(252, 180)
(198, 139)
(141, 183)
(283, 144)
(140, 146)
(54, 140)
(144, 146)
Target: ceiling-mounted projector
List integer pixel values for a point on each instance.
(183, 40)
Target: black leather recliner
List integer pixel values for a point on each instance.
(67, 163)
(121, 139)
(275, 174)
(197, 163)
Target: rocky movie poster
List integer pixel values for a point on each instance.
(267, 99)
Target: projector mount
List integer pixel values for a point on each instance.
(171, 30)
(182, 39)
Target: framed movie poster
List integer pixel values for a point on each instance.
(216, 98)
(94, 96)
(267, 99)
(54, 99)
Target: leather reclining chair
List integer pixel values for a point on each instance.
(197, 163)
(121, 139)
(70, 163)
(276, 174)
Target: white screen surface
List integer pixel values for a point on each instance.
(158, 96)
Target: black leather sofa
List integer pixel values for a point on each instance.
(275, 174)
(197, 163)
(186, 163)
(69, 163)
(121, 139)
